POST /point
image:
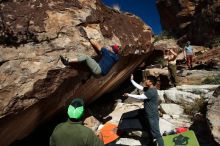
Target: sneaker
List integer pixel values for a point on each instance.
(64, 60)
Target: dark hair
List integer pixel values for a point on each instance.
(153, 79)
(75, 120)
(77, 102)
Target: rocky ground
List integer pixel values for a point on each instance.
(181, 106)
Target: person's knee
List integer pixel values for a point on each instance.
(157, 136)
(82, 57)
(85, 56)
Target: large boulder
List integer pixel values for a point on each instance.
(217, 92)
(194, 20)
(175, 96)
(213, 116)
(166, 44)
(197, 89)
(171, 109)
(34, 85)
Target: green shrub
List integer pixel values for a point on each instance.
(213, 43)
(192, 108)
(167, 34)
(160, 60)
(216, 42)
(212, 80)
(164, 35)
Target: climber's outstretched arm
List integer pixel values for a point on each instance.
(96, 46)
(142, 96)
(138, 86)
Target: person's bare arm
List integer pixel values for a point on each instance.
(184, 52)
(193, 52)
(172, 56)
(174, 53)
(166, 57)
(96, 45)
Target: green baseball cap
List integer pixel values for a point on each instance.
(76, 108)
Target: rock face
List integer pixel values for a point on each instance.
(186, 19)
(213, 116)
(166, 44)
(217, 92)
(34, 85)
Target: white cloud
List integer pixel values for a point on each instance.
(116, 6)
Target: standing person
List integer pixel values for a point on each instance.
(150, 98)
(109, 56)
(72, 132)
(188, 54)
(171, 56)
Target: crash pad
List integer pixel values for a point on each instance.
(187, 138)
(132, 120)
(109, 132)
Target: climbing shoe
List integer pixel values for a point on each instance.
(64, 60)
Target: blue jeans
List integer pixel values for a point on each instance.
(155, 130)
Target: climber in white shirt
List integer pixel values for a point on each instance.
(138, 86)
(150, 99)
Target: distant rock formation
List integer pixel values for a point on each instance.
(34, 85)
(197, 20)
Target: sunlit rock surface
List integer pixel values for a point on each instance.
(34, 84)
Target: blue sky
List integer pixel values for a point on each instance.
(145, 9)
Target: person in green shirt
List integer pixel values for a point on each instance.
(72, 132)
